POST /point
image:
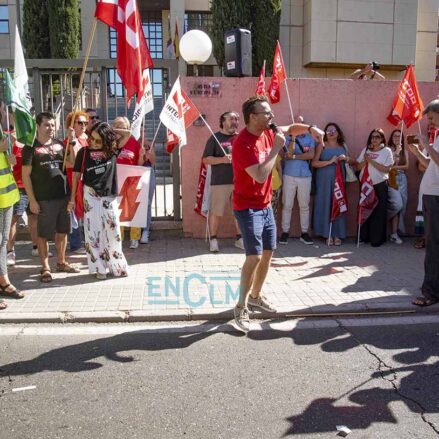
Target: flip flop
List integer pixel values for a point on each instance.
(424, 301)
(14, 294)
(3, 305)
(45, 276)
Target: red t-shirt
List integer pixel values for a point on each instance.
(248, 150)
(17, 150)
(129, 154)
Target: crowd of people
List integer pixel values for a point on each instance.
(68, 190)
(305, 168)
(255, 153)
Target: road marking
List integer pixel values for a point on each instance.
(194, 327)
(22, 389)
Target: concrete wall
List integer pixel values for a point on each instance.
(357, 106)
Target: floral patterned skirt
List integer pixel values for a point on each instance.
(103, 242)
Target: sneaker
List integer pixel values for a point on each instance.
(134, 243)
(395, 239)
(261, 302)
(35, 252)
(214, 245)
(306, 239)
(283, 239)
(101, 276)
(144, 239)
(239, 243)
(10, 258)
(242, 319)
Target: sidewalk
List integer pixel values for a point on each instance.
(179, 279)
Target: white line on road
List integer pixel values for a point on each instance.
(179, 327)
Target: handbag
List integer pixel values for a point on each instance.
(313, 170)
(79, 195)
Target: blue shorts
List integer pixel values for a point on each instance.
(258, 229)
(21, 205)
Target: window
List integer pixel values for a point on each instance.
(198, 20)
(4, 20)
(153, 30)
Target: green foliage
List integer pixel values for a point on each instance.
(51, 28)
(261, 17)
(36, 29)
(64, 28)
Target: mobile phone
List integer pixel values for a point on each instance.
(412, 139)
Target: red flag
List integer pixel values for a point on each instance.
(407, 105)
(173, 141)
(203, 191)
(176, 41)
(339, 201)
(279, 75)
(133, 55)
(260, 88)
(106, 11)
(368, 199)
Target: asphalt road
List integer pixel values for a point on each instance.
(380, 378)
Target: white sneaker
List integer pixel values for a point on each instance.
(35, 252)
(10, 258)
(395, 239)
(242, 319)
(239, 243)
(214, 245)
(134, 243)
(145, 237)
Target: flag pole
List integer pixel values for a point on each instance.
(419, 128)
(358, 236)
(155, 134)
(213, 134)
(81, 81)
(330, 233)
(9, 131)
(289, 101)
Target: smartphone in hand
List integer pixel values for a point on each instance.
(412, 139)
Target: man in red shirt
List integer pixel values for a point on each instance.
(254, 154)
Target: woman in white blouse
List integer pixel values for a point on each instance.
(379, 159)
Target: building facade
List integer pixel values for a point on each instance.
(320, 38)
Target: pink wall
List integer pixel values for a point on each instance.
(357, 106)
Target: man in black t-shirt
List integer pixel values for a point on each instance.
(48, 192)
(221, 183)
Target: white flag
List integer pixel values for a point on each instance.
(143, 106)
(172, 115)
(20, 73)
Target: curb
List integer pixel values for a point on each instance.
(210, 315)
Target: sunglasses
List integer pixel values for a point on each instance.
(81, 122)
(94, 117)
(331, 131)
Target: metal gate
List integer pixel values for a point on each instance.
(55, 89)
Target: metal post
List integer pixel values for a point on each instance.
(104, 102)
(38, 94)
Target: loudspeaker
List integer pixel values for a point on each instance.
(238, 52)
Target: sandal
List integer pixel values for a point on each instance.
(419, 243)
(424, 301)
(3, 305)
(14, 294)
(337, 241)
(66, 268)
(45, 275)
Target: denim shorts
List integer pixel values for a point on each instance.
(258, 229)
(21, 205)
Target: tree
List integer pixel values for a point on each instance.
(261, 17)
(36, 38)
(228, 14)
(265, 32)
(64, 23)
(51, 28)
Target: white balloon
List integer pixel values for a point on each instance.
(195, 47)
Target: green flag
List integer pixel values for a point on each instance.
(25, 125)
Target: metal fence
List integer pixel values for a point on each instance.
(54, 87)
